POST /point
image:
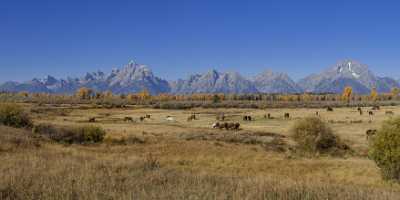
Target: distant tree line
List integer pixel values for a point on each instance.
(87, 95)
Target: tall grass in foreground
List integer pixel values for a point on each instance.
(49, 175)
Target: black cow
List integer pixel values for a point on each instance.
(287, 116)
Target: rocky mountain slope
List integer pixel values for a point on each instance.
(270, 82)
(213, 82)
(131, 78)
(346, 73)
(135, 77)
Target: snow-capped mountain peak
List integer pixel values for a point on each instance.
(345, 73)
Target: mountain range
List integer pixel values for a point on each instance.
(135, 77)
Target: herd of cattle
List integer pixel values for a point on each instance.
(220, 124)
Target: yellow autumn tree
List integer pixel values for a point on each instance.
(347, 92)
(144, 95)
(84, 93)
(374, 94)
(395, 92)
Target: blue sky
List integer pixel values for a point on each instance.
(177, 38)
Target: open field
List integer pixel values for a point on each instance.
(179, 159)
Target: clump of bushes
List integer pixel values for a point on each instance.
(385, 149)
(315, 136)
(13, 115)
(77, 135)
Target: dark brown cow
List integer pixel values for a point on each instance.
(92, 119)
(237, 126)
(287, 115)
(247, 118)
(128, 119)
(370, 113)
(360, 110)
(329, 109)
(191, 117)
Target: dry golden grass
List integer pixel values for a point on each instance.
(189, 160)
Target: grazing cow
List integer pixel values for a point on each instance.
(216, 125)
(360, 110)
(389, 112)
(232, 126)
(269, 116)
(191, 117)
(370, 113)
(141, 118)
(287, 116)
(329, 109)
(370, 133)
(147, 116)
(128, 119)
(226, 126)
(92, 119)
(170, 119)
(376, 107)
(237, 126)
(247, 118)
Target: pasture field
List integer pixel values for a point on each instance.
(179, 159)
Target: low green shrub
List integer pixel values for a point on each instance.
(78, 135)
(13, 115)
(385, 149)
(315, 136)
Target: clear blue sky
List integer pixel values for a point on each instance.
(177, 38)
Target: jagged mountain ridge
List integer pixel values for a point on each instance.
(131, 78)
(347, 73)
(134, 77)
(272, 82)
(213, 82)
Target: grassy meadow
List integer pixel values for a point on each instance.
(179, 159)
